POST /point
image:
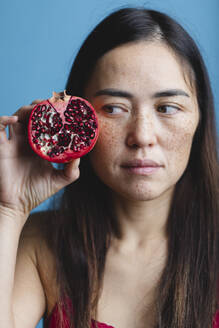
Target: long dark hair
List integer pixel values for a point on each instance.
(187, 291)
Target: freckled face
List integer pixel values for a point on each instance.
(147, 111)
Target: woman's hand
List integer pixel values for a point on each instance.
(26, 180)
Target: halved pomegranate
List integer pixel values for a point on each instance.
(62, 128)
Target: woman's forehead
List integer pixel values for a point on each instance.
(141, 65)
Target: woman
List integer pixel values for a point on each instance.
(134, 241)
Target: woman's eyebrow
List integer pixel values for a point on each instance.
(125, 94)
(170, 93)
(114, 93)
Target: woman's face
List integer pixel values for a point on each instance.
(148, 115)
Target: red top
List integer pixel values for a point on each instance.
(216, 320)
(54, 320)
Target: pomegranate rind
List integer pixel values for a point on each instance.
(60, 107)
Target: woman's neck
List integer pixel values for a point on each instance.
(142, 222)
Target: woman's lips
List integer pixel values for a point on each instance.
(141, 167)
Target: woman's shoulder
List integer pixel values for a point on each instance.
(35, 237)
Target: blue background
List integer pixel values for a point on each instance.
(39, 40)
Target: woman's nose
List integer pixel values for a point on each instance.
(141, 132)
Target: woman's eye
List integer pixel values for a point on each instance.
(110, 109)
(168, 109)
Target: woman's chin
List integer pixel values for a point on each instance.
(143, 195)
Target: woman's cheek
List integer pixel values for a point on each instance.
(105, 153)
(109, 138)
(178, 145)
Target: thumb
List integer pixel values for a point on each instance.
(69, 174)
